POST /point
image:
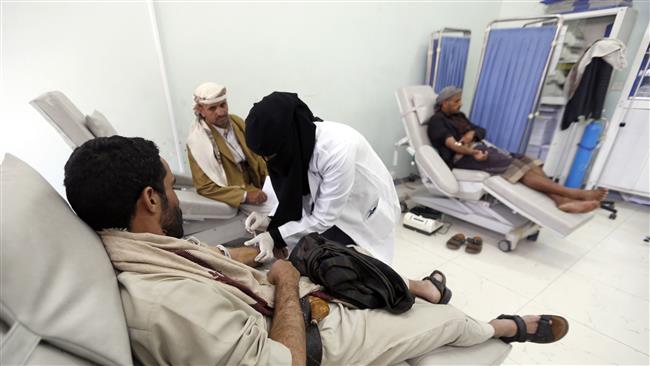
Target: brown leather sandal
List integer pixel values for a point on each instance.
(456, 241)
(474, 245)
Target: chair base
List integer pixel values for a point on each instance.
(492, 216)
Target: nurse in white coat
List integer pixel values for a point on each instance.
(326, 177)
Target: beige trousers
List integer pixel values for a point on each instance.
(364, 337)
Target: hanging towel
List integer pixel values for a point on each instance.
(588, 81)
(205, 152)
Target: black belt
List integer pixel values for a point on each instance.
(312, 335)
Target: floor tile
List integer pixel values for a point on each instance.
(581, 346)
(477, 296)
(412, 261)
(593, 232)
(434, 244)
(621, 261)
(602, 308)
(509, 361)
(527, 270)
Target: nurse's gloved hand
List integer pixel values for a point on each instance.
(265, 242)
(256, 222)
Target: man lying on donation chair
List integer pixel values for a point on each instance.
(186, 303)
(458, 142)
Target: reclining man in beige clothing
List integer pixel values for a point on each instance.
(186, 303)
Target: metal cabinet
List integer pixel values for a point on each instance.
(623, 161)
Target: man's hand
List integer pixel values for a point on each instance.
(265, 242)
(480, 155)
(255, 197)
(256, 222)
(280, 253)
(283, 272)
(468, 137)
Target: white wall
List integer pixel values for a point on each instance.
(344, 59)
(101, 55)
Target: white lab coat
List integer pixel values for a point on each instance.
(350, 188)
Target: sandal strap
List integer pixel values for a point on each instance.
(544, 332)
(437, 283)
(522, 332)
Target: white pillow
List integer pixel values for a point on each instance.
(99, 125)
(423, 105)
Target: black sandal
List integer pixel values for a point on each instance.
(441, 285)
(551, 328)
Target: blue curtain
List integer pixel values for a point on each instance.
(453, 59)
(512, 69)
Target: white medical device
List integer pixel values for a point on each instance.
(421, 224)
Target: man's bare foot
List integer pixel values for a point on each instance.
(425, 289)
(597, 194)
(508, 327)
(579, 206)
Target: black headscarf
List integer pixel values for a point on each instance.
(281, 128)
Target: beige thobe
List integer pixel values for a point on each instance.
(182, 321)
(239, 181)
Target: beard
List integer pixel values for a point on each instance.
(171, 220)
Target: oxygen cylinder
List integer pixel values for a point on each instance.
(582, 158)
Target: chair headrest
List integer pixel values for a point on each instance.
(66, 118)
(420, 99)
(99, 125)
(58, 285)
(423, 104)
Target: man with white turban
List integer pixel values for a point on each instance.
(223, 168)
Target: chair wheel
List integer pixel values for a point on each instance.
(505, 245)
(533, 236)
(612, 216)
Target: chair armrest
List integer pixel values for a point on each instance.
(466, 175)
(434, 168)
(183, 180)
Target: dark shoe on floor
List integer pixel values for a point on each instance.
(551, 328)
(441, 285)
(456, 241)
(474, 245)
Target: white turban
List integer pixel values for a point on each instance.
(209, 93)
(446, 93)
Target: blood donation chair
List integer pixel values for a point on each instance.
(60, 301)
(200, 214)
(492, 202)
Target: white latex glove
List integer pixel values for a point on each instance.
(265, 242)
(256, 222)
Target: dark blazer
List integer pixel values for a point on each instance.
(440, 127)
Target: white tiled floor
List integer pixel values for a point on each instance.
(597, 278)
